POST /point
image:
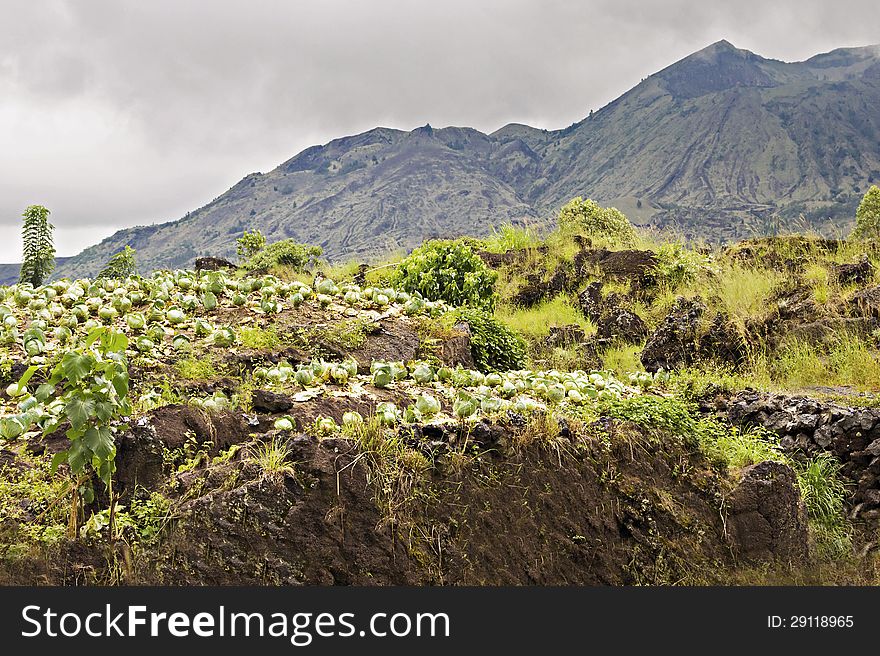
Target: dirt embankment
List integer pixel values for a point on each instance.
(606, 503)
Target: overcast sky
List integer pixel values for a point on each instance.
(116, 113)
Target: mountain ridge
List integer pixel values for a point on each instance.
(718, 145)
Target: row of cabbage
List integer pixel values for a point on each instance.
(169, 309)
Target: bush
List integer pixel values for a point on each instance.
(287, 252)
(677, 266)
(249, 244)
(868, 216)
(494, 346)
(448, 271)
(587, 217)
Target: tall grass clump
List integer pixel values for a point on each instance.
(824, 494)
(743, 291)
(509, 237)
(536, 321)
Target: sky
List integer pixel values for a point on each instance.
(115, 113)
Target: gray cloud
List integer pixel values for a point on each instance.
(117, 112)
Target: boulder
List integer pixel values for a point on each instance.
(857, 273)
(767, 518)
(866, 302)
(456, 349)
(270, 402)
(674, 343)
(590, 301)
(213, 264)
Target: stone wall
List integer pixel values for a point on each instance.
(807, 426)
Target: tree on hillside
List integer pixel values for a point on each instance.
(121, 266)
(868, 216)
(39, 251)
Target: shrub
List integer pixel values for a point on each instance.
(121, 266)
(287, 252)
(448, 271)
(868, 216)
(494, 346)
(678, 266)
(38, 249)
(249, 244)
(587, 217)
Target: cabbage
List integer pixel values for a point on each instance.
(297, 299)
(107, 314)
(223, 337)
(175, 316)
(423, 374)
(144, 344)
(135, 321)
(427, 405)
(351, 366)
(202, 328)
(180, 342)
(491, 404)
(283, 424)
(382, 377)
(304, 377)
(352, 418)
(339, 374)
(325, 425)
(324, 300)
(13, 390)
(556, 393)
(387, 413)
(493, 380)
(464, 407)
(11, 427)
(209, 300)
(326, 286)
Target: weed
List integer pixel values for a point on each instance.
(193, 369)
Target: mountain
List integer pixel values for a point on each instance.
(719, 145)
(9, 272)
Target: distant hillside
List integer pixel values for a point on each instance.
(720, 145)
(9, 272)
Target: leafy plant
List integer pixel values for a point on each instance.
(249, 244)
(94, 382)
(494, 346)
(39, 252)
(287, 252)
(448, 271)
(587, 217)
(121, 266)
(678, 266)
(868, 216)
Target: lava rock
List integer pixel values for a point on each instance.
(767, 517)
(270, 402)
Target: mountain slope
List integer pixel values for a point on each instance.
(720, 144)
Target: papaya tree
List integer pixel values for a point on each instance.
(38, 250)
